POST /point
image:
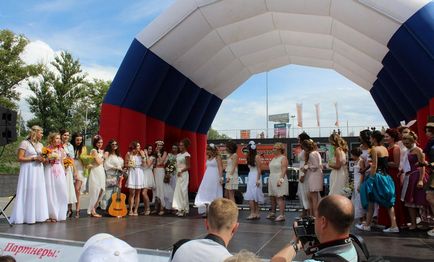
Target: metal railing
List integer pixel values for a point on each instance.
(295, 131)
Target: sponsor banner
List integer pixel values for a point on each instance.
(280, 130)
(30, 250)
(265, 151)
(245, 134)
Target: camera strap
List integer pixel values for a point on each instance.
(316, 248)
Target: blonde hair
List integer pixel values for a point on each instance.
(213, 149)
(280, 146)
(243, 256)
(337, 141)
(51, 137)
(33, 132)
(412, 137)
(222, 214)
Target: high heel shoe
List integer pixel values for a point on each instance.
(69, 214)
(95, 214)
(161, 213)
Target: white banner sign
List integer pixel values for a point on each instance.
(24, 250)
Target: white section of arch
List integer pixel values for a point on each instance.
(219, 44)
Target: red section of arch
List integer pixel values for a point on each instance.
(422, 117)
(127, 125)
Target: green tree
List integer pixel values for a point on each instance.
(13, 71)
(41, 104)
(214, 134)
(95, 93)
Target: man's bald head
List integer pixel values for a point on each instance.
(339, 212)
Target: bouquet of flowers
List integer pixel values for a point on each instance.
(86, 160)
(68, 162)
(169, 171)
(50, 155)
(131, 162)
(46, 151)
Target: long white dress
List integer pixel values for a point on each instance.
(276, 174)
(31, 199)
(180, 196)
(355, 198)
(303, 188)
(136, 176)
(159, 181)
(254, 192)
(339, 177)
(96, 182)
(55, 182)
(70, 189)
(111, 165)
(169, 188)
(210, 187)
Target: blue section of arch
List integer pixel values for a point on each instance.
(405, 85)
(147, 84)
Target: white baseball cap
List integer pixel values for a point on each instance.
(105, 247)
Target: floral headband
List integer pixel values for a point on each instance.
(212, 146)
(252, 145)
(159, 142)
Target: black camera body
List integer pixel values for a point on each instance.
(304, 229)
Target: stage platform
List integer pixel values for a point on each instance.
(157, 234)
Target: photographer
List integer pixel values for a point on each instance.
(332, 228)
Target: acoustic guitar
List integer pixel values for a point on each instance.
(118, 208)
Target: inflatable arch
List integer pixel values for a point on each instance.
(179, 68)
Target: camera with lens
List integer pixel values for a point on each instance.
(304, 229)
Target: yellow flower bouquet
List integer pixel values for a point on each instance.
(86, 160)
(68, 162)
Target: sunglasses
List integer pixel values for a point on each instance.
(114, 144)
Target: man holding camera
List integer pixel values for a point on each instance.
(332, 228)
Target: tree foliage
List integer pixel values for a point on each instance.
(214, 134)
(13, 71)
(94, 97)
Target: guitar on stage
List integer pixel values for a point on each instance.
(118, 208)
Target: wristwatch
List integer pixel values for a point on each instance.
(294, 245)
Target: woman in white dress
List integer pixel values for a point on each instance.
(31, 198)
(303, 184)
(69, 170)
(254, 193)
(170, 184)
(313, 169)
(359, 164)
(96, 176)
(160, 160)
(231, 170)
(278, 182)
(148, 178)
(113, 165)
(135, 159)
(338, 164)
(210, 188)
(55, 180)
(79, 178)
(180, 196)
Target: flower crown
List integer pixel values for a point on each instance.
(212, 146)
(159, 142)
(252, 145)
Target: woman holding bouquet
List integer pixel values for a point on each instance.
(113, 165)
(160, 161)
(55, 179)
(31, 198)
(180, 197)
(69, 170)
(96, 176)
(135, 159)
(79, 178)
(170, 179)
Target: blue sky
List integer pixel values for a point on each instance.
(100, 32)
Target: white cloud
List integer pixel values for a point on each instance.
(144, 9)
(40, 52)
(54, 6)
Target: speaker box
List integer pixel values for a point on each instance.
(8, 126)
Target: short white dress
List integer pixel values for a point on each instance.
(253, 192)
(31, 199)
(275, 174)
(210, 187)
(55, 183)
(136, 177)
(233, 181)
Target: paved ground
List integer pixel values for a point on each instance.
(263, 237)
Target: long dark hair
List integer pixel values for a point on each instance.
(77, 149)
(251, 156)
(109, 149)
(365, 136)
